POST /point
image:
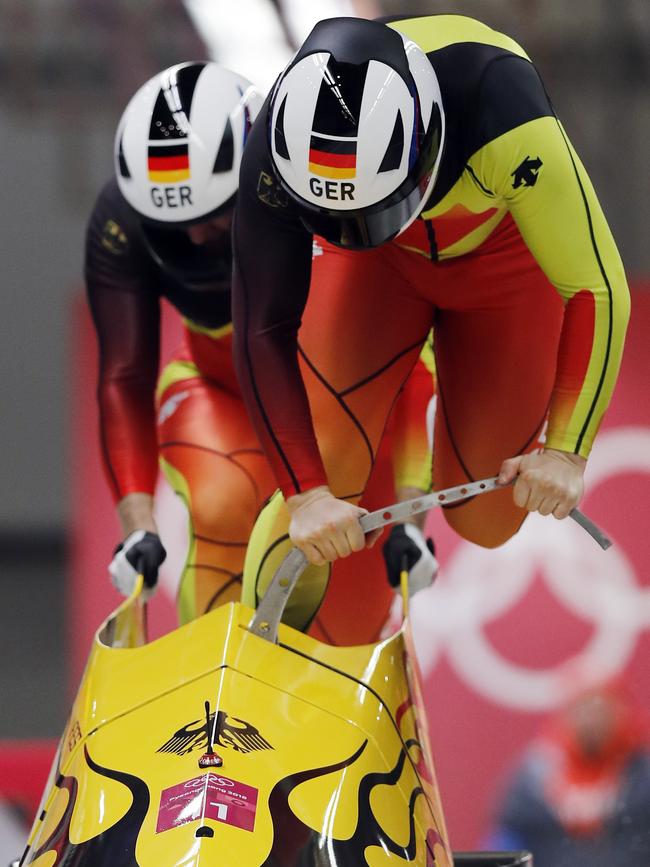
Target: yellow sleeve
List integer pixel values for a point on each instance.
(535, 171)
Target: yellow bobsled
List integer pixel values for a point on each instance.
(316, 756)
(323, 750)
(236, 741)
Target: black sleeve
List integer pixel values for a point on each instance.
(272, 271)
(125, 312)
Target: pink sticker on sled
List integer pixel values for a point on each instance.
(210, 796)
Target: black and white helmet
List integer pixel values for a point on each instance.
(180, 140)
(356, 130)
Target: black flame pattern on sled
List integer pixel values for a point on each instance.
(232, 732)
(297, 845)
(114, 846)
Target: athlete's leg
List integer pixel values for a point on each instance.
(362, 332)
(496, 342)
(357, 603)
(358, 600)
(211, 458)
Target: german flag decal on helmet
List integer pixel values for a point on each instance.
(333, 157)
(168, 164)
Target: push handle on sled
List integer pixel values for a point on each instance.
(270, 610)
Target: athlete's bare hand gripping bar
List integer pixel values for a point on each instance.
(402, 511)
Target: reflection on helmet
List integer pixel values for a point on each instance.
(356, 131)
(179, 143)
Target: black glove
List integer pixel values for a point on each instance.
(406, 548)
(141, 553)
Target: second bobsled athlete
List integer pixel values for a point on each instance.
(160, 229)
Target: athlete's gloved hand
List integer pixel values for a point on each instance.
(141, 553)
(407, 547)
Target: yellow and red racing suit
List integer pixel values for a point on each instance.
(511, 262)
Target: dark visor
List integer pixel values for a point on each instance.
(368, 228)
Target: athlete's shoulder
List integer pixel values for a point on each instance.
(486, 78)
(112, 224)
(436, 32)
(258, 182)
(256, 153)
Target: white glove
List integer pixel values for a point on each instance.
(407, 548)
(141, 553)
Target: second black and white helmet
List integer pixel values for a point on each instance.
(180, 140)
(356, 128)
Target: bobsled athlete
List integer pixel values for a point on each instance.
(427, 154)
(160, 229)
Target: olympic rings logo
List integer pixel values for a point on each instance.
(477, 586)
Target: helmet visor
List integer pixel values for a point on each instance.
(371, 227)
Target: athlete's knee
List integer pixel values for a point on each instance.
(222, 511)
(487, 530)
